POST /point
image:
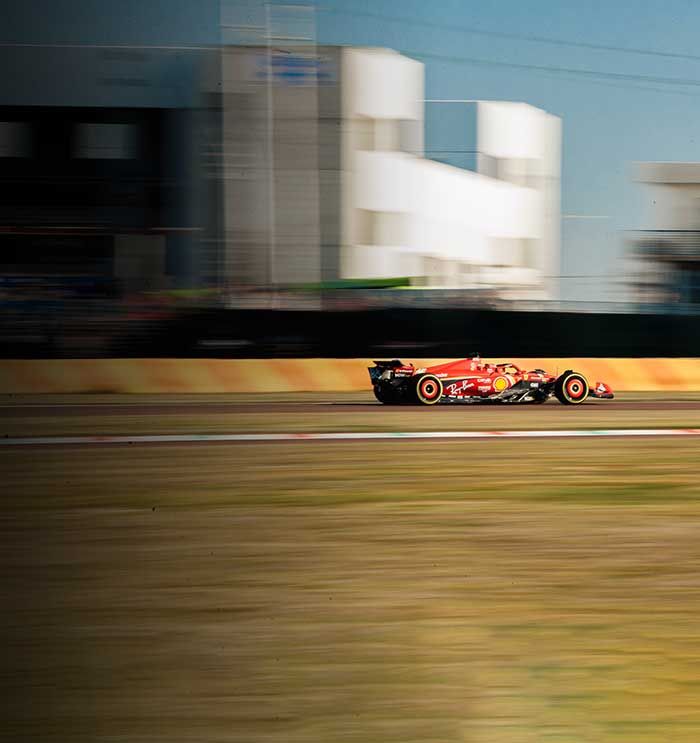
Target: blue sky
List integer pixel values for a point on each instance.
(607, 124)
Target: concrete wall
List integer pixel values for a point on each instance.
(270, 168)
(298, 375)
(674, 206)
(672, 192)
(667, 267)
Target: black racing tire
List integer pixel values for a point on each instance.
(385, 396)
(571, 388)
(428, 389)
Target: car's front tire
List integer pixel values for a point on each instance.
(571, 388)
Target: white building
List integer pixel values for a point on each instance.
(668, 252)
(404, 215)
(327, 163)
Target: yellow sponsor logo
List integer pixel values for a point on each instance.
(500, 384)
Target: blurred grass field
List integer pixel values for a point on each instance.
(498, 591)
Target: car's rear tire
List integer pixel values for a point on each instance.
(571, 388)
(384, 395)
(428, 389)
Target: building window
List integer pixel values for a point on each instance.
(14, 139)
(363, 227)
(364, 134)
(389, 228)
(105, 142)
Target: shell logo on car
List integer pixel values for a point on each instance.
(500, 384)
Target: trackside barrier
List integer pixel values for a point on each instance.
(62, 376)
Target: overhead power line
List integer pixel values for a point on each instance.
(608, 78)
(513, 36)
(555, 69)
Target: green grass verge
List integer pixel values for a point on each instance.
(389, 592)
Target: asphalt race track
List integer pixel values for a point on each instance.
(326, 406)
(227, 419)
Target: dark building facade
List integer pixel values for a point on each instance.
(104, 165)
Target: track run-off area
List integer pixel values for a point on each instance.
(117, 419)
(500, 574)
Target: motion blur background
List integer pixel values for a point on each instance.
(238, 178)
(254, 199)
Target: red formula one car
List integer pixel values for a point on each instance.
(472, 380)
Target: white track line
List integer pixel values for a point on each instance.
(343, 436)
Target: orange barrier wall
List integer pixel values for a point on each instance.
(298, 375)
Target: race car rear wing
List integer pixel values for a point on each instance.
(393, 364)
(388, 370)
